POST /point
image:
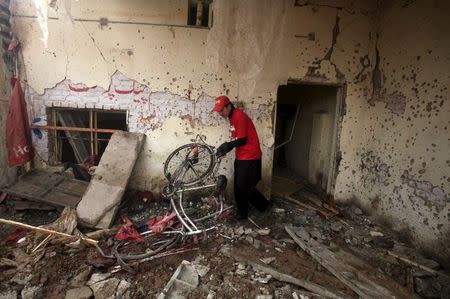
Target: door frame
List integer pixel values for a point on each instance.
(335, 157)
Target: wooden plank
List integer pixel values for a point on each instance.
(51, 188)
(307, 285)
(62, 199)
(73, 187)
(362, 278)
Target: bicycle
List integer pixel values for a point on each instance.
(189, 168)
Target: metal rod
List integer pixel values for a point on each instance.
(117, 22)
(91, 121)
(292, 131)
(184, 213)
(76, 129)
(196, 188)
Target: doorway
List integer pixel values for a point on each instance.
(306, 135)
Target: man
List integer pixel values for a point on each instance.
(247, 165)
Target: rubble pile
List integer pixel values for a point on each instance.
(255, 258)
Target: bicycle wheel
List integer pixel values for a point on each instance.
(199, 164)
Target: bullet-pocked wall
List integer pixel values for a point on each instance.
(405, 161)
(166, 75)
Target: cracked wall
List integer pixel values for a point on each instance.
(407, 124)
(396, 112)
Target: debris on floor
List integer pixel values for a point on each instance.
(312, 249)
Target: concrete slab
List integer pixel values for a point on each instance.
(99, 204)
(184, 279)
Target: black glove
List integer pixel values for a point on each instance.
(223, 149)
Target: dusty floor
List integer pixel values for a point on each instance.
(55, 272)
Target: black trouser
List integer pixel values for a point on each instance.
(247, 173)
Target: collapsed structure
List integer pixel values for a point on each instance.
(352, 96)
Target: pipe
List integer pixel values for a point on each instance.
(293, 129)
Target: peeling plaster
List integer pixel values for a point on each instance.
(424, 190)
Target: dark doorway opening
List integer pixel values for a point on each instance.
(306, 135)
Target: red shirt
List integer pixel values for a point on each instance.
(242, 126)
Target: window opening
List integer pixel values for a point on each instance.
(198, 12)
(80, 133)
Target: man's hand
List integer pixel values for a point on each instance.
(223, 149)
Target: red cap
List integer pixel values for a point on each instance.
(221, 102)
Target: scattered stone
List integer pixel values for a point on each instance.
(211, 295)
(263, 232)
(43, 278)
(10, 294)
(79, 293)
(257, 244)
(317, 235)
(241, 266)
(267, 260)
(289, 241)
(336, 226)
(376, 234)
(97, 277)
(122, 288)
(31, 292)
(279, 210)
(248, 231)
(264, 297)
(105, 289)
(264, 280)
(249, 239)
(201, 269)
(80, 279)
(241, 272)
(22, 278)
(239, 231)
(357, 211)
(427, 287)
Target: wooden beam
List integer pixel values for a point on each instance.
(48, 231)
(307, 285)
(363, 279)
(76, 129)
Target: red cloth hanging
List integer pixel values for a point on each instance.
(18, 133)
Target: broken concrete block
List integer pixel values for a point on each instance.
(357, 211)
(184, 279)
(31, 292)
(122, 288)
(97, 277)
(82, 277)
(336, 227)
(267, 260)
(79, 293)
(105, 289)
(99, 204)
(11, 294)
(376, 234)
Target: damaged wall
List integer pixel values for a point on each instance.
(404, 164)
(166, 77)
